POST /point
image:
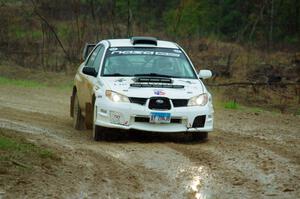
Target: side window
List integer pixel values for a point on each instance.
(92, 58)
(99, 56)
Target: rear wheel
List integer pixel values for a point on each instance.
(78, 119)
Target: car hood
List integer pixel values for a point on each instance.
(192, 87)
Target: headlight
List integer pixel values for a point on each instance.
(116, 97)
(200, 100)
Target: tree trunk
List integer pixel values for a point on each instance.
(129, 19)
(271, 25)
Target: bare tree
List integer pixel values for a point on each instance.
(51, 28)
(271, 25)
(112, 18)
(129, 19)
(179, 13)
(76, 10)
(260, 16)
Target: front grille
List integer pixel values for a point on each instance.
(199, 121)
(147, 120)
(159, 103)
(138, 100)
(180, 102)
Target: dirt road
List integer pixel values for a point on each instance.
(249, 155)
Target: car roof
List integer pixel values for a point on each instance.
(128, 43)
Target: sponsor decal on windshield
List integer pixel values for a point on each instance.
(140, 52)
(132, 52)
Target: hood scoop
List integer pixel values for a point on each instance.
(154, 82)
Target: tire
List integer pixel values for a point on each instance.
(78, 119)
(98, 131)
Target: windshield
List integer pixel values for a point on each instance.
(164, 62)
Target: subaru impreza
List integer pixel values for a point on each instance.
(140, 83)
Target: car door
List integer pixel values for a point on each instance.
(91, 80)
(83, 91)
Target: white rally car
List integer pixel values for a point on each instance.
(140, 83)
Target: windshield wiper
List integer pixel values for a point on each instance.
(153, 75)
(115, 74)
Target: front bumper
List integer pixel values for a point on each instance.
(123, 116)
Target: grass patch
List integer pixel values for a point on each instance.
(16, 148)
(24, 77)
(8, 144)
(20, 83)
(231, 105)
(66, 86)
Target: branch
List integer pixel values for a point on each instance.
(257, 20)
(51, 29)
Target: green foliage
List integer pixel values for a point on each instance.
(231, 105)
(265, 22)
(183, 20)
(231, 19)
(63, 86)
(8, 144)
(228, 19)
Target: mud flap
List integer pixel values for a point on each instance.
(72, 106)
(89, 112)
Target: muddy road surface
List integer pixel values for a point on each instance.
(249, 155)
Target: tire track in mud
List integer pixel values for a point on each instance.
(160, 171)
(250, 168)
(177, 177)
(170, 177)
(90, 174)
(243, 158)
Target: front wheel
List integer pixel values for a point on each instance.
(98, 131)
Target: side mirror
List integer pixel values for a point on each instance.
(89, 71)
(205, 74)
(87, 49)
